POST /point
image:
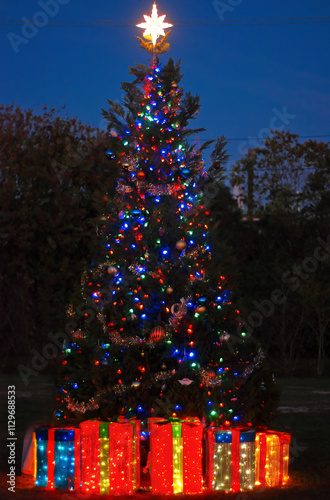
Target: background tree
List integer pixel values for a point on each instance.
(289, 182)
(53, 172)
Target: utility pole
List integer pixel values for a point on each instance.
(251, 156)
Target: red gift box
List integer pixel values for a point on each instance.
(110, 457)
(272, 458)
(176, 455)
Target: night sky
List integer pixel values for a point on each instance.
(251, 75)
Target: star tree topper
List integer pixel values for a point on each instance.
(154, 26)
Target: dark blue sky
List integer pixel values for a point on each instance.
(250, 78)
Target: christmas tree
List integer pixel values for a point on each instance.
(155, 332)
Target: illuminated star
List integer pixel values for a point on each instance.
(154, 26)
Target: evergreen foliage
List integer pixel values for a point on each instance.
(156, 333)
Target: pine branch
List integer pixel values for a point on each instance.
(206, 145)
(191, 131)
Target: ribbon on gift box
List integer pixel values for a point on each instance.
(58, 458)
(272, 457)
(231, 458)
(136, 450)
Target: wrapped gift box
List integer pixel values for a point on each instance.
(230, 458)
(176, 456)
(110, 457)
(58, 458)
(272, 458)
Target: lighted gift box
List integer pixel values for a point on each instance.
(272, 458)
(110, 457)
(230, 459)
(176, 456)
(58, 458)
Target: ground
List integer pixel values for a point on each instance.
(304, 411)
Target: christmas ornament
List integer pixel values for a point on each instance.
(109, 154)
(140, 175)
(158, 333)
(112, 270)
(175, 309)
(181, 245)
(164, 366)
(178, 311)
(169, 290)
(200, 309)
(136, 383)
(224, 336)
(154, 26)
(185, 381)
(185, 172)
(78, 334)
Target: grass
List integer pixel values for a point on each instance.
(307, 418)
(34, 404)
(304, 411)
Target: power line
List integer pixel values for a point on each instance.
(189, 23)
(258, 138)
